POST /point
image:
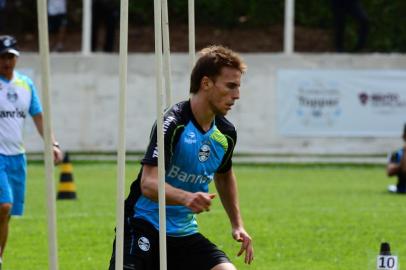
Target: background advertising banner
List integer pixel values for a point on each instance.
(359, 103)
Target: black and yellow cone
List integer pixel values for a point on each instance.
(67, 188)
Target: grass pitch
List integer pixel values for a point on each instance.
(300, 217)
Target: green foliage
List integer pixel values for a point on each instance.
(387, 20)
(387, 25)
(300, 217)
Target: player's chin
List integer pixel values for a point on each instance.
(223, 113)
(227, 109)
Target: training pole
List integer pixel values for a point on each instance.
(86, 26)
(160, 134)
(167, 54)
(192, 34)
(288, 44)
(48, 151)
(121, 134)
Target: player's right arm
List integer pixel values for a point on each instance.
(197, 202)
(393, 167)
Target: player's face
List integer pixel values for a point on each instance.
(225, 90)
(7, 64)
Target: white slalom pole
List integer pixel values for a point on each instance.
(192, 34)
(167, 54)
(121, 134)
(160, 135)
(288, 44)
(86, 26)
(49, 162)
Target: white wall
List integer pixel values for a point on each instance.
(85, 100)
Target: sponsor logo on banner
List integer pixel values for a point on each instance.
(381, 99)
(330, 102)
(318, 103)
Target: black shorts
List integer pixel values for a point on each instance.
(141, 249)
(56, 22)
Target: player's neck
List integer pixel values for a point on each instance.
(7, 75)
(202, 112)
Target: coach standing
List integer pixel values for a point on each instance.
(18, 98)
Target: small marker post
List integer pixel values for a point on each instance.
(385, 260)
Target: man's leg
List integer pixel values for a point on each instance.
(141, 250)
(224, 266)
(4, 220)
(6, 202)
(339, 24)
(96, 21)
(196, 252)
(362, 19)
(13, 171)
(111, 16)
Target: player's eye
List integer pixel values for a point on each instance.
(232, 86)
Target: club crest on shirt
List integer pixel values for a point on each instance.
(204, 153)
(143, 243)
(12, 95)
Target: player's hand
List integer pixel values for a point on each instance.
(240, 235)
(199, 201)
(58, 155)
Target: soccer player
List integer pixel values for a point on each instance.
(199, 144)
(397, 167)
(18, 98)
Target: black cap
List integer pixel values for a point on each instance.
(385, 249)
(8, 44)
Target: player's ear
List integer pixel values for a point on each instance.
(206, 83)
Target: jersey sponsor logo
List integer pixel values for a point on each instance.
(143, 243)
(190, 138)
(176, 172)
(12, 95)
(12, 114)
(204, 153)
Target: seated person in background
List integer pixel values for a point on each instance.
(397, 166)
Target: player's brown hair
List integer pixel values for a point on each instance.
(212, 59)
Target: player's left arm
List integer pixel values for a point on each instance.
(39, 124)
(226, 185)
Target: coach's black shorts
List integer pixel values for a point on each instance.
(141, 249)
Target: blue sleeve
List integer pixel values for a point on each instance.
(35, 105)
(396, 157)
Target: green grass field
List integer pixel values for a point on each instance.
(300, 217)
